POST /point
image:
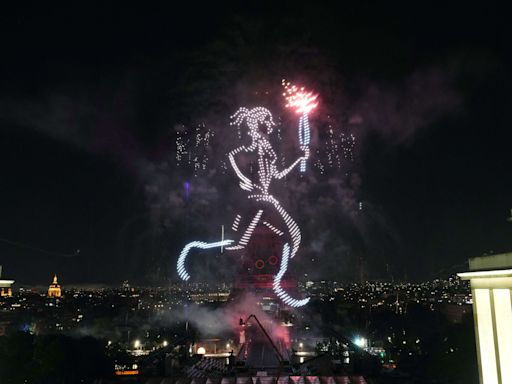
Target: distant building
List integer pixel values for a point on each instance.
(5, 285)
(54, 289)
(209, 297)
(125, 286)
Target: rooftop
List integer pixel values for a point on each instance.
(491, 262)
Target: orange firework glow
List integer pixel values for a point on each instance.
(303, 101)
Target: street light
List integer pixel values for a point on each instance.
(361, 342)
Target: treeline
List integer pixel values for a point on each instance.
(52, 359)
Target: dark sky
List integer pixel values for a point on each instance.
(90, 98)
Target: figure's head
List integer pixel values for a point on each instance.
(254, 118)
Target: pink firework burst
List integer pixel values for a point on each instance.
(299, 98)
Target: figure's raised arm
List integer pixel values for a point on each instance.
(245, 182)
(286, 171)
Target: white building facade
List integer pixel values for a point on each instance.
(491, 284)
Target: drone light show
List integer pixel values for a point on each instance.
(259, 125)
(303, 102)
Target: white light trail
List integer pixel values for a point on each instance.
(273, 229)
(182, 272)
(234, 227)
(304, 137)
(280, 292)
(250, 229)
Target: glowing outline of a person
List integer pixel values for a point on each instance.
(267, 171)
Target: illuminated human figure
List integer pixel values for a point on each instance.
(256, 119)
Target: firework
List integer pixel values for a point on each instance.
(192, 147)
(303, 102)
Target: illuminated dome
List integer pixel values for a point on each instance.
(54, 289)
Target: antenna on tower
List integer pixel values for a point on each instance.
(222, 239)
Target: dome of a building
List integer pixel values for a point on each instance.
(54, 289)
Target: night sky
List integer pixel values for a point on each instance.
(91, 98)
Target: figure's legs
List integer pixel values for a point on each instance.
(277, 231)
(295, 236)
(236, 222)
(182, 272)
(279, 291)
(244, 240)
(291, 225)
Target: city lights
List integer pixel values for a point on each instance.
(361, 342)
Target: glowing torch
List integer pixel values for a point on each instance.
(303, 102)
